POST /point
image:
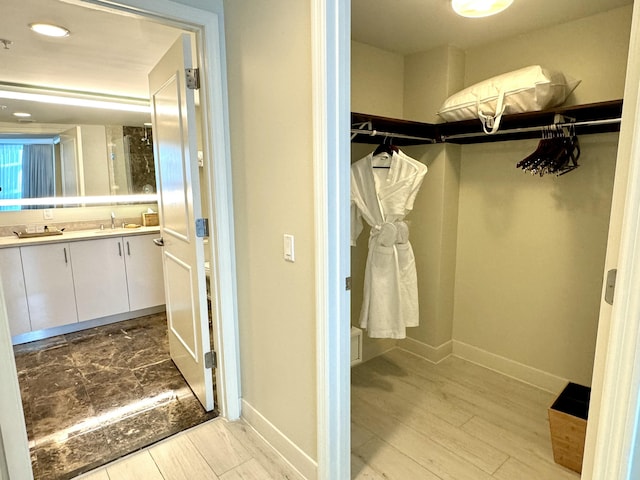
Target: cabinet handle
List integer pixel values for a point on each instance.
(66, 260)
(128, 249)
(119, 249)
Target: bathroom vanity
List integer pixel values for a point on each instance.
(80, 279)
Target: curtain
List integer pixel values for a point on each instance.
(38, 172)
(10, 174)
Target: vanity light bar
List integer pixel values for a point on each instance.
(89, 200)
(82, 100)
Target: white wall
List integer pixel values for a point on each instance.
(426, 87)
(593, 49)
(377, 81)
(530, 256)
(540, 309)
(269, 73)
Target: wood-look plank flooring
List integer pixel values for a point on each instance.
(411, 419)
(214, 450)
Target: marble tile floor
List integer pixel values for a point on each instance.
(93, 396)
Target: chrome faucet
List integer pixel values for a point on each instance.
(113, 220)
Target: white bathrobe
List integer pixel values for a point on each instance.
(383, 197)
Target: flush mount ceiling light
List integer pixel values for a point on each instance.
(21, 114)
(479, 8)
(49, 30)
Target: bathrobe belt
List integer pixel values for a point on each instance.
(389, 234)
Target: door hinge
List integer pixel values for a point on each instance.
(192, 78)
(347, 283)
(210, 359)
(610, 286)
(202, 227)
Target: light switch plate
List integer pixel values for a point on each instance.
(289, 248)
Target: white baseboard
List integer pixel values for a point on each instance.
(289, 451)
(433, 354)
(519, 371)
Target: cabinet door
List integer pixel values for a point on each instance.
(99, 278)
(49, 284)
(144, 272)
(15, 295)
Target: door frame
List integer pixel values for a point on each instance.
(208, 27)
(331, 78)
(611, 441)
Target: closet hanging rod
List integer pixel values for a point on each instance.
(375, 133)
(606, 121)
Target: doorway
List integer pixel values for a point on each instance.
(494, 174)
(218, 199)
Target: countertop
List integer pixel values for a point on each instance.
(74, 235)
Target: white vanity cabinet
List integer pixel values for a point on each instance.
(15, 295)
(100, 278)
(145, 280)
(94, 276)
(48, 280)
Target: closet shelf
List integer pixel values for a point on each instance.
(592, 118)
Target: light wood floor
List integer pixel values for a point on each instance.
(412, 419)
(214, 450)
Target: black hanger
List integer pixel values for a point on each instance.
(556, 153)
(385, 147)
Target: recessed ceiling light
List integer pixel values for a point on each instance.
(479, 8)
(21, 114)
(49, 30)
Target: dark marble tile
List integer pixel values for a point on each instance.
(59, 355)
(110, 389)
(187, 412)
(67, 459)
(157, 372)
(137, 358)
(140, 340)
(93, 338)
(60, 411)
(35, 466)
(48, 380)
(38, 345)
(138, 431)
(97, 357)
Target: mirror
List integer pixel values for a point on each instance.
(104, 156)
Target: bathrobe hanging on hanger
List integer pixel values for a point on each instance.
(383, 197)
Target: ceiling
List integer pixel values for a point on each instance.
(112, 54)
(410, 26)
(105, 53)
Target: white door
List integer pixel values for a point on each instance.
(175, 148)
